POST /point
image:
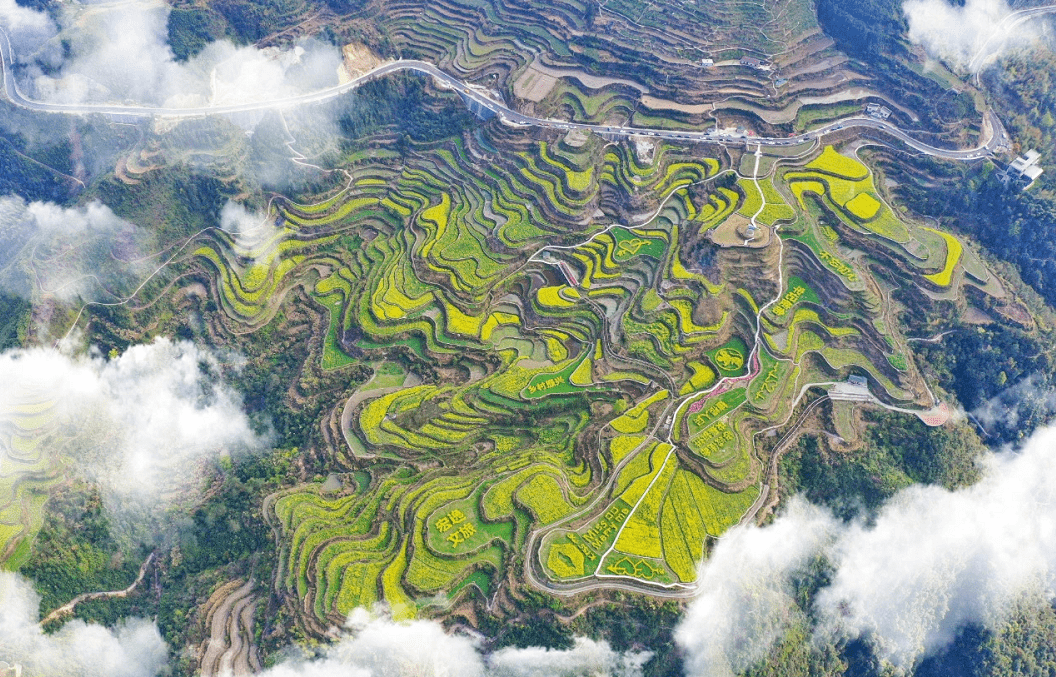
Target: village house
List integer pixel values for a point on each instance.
(1024, 170)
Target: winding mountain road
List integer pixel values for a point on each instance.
(992, 128)
(1003, 31)
(68, 608)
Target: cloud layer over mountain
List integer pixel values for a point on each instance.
(967, 35)
(379, 647)
(133, 649)
(137, 424)
(82, 253)
(121, 54)
(745, 603)
(372, 647)
(933, 561)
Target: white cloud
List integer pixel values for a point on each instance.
(52, 219)
(1027, 399)
(933, 561)
(250, 229)
(966, 36)
(139, 424)
(133, 649)
(86, 252)
(120, 53)
(27, 29)
(745, 601)
(372, 647)
(378, 647)
(237, 220)
(936, 560)
(15, 18)
(586, 657)
(381, 648)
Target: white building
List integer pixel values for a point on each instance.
(877, 111)
(1024, 170)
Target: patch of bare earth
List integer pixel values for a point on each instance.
(734, 232)
(533, 85)
(357, 60)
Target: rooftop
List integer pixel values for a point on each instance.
(1027, 169)
(1033, 172)
(1020, 164)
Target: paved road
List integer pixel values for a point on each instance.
(1003, 29)
(992, 129)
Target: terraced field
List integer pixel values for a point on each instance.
(28, 467)
(229, 649)
(676, 64)
(606, 369)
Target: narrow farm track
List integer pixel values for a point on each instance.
(628, 584)
(72, 604)
(540, 582)
(669, 423)
(230, 649)
(664, 430)
(768, 502)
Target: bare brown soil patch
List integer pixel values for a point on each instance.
(534, 85)
(357, 60)
(734, 232)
